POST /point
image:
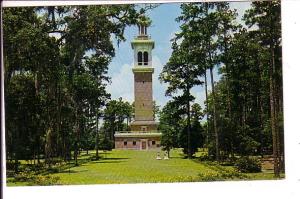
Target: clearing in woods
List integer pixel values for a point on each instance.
(130, 166)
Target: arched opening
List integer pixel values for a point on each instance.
(145, 58)
(140, 58)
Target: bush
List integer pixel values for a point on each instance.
(210, 176)
(248, 165)
(35, 179)
(226, 174)
(24, 176)
(45, 180)
(206, 158)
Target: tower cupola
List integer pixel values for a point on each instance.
(142, 46)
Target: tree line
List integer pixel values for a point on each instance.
(56, 63)
(244, 109)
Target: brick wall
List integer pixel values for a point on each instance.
(143, 100)
(151, 127)
(119, 143)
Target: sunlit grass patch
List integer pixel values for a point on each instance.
(130, 166)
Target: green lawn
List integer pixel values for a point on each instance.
(128, 166)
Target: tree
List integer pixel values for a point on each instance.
(197, 138)
(29, 53)
(199, 29)
(266, 16)
(155, 110)
(48, 49)
(115, 113)
(170, 124)
(227, 26)
(181, 75)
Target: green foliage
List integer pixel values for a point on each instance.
(222, 175)
(24, 176)
(56, 64)
(170, 124)
(197, 138)
(238, 110)
(173, 126)
(116, 113)
(45, 180)
(248, 165)
(105, 143)
(32, 178)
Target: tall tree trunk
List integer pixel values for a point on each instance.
(214, 115)
(229, 111)
(228, 96)
(16, 150)
(189, 124)
(97, 136)
(37, 88)
(273, 115)
(207, 110)
(38, 149)
(76, 150)
(261, 110)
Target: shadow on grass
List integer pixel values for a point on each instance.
(176, 158)
(72, 171)
(115, 158)
(29, 170)
(80, 162)
(103, 162)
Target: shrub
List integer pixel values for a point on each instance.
(248, 165)
(206, 158)
(218, 175)
(35, 179)
(10, 165)
(210, 176)
(45, 180)
(24, 176)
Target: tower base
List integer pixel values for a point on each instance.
(143, 136)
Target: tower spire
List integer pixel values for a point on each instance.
(143, 23)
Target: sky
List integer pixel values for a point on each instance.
(162, 30)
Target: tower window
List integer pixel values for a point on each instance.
(125, 143)
(145, 58)
(134, 143)
(140, 58)
(153, 142)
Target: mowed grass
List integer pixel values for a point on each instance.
(130, 166)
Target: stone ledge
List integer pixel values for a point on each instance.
(142, 41)
(137, 134)
(143, 70)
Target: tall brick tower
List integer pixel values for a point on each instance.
(142, 46)
(143, 132)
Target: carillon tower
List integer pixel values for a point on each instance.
(142, 47)
(143, 132)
